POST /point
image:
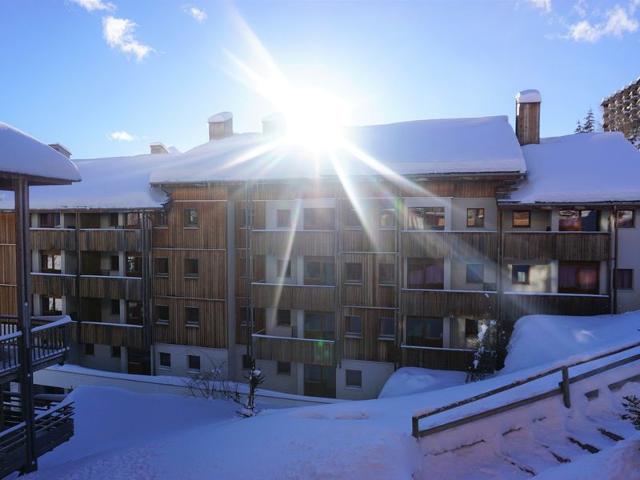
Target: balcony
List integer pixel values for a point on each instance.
(518, 304)
(288, 349)
(103, 286)
(54, 284)
(439, 303)
(437, 358)
(110, 240)
(438, 244)
(53, 238)
(359, 240)
(300, 297)
(114, 334)
(317, 243)
(569, 246)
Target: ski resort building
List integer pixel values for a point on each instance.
(621, 112)
(416, 244)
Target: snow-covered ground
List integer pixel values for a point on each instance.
(409, 380)
(125, 435)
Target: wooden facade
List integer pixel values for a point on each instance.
(303, 350)
(281, 243)
(443, 244)
(567, 246)
(301, 297)
(441, 303)
(108, 334)
(110, 240)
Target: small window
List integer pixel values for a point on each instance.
(115, 307)
(114, 220)
(520, 274)
(284, 368)
(351, 218)
(190, 217)
(89, 349)
(387, 218)
(134, 313)
(386, 273)
(283, 318)
(471, 330)
(353, 325)
(387, 328)
(353, 272)
(191, 267)
(521, 219)
(625, 219)
(115, 352)
(161, 267)
(193, 362)
(51, 305)
(51, 262)
(165, 359)
(284, 269)
(134, 266)
(192, 316)
(115, 263)
(160, 219)
(475, 217)
(162, 313)
(319, 218)
(624, 279)
(283, 218)
(353, 378)
(133, 220)
(475, 273)
(426, 218)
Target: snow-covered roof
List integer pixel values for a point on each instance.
(22, 154)
(424, 147)
(580, 168)
(220, 117)
(529, 96)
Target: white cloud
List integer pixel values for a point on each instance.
(91, 5)
(617, 22)
(544, 5)
(118, 32)
(197, 13)
(121, 136)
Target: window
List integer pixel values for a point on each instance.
(579, 277)
(51, 262)
(475, 217)
(520, 274)
(165, 359)
(387, 328)
(624, 279)
(115, 307)
(190, 217)
(133, 220)
(160, 218)
(471, 332)
(319, 325)
(353, 378)
(386, 273)
(192, 316)
(162, 314)
(191, 267)
(193, 362)
(114, 263)
(161, 267)
(284, 268)
(283, 218)
(351, 218)
(134, 266)
(115, 352)
(353, 272)
(89, 349)
(51, 305)
(521, 219)
(114, 220)
(319, 219)
(387, 218)
(475, 273)
(283, 318)
(426, 218)
(49, 220)
(425, 273)
(319, 271)
(134, 313)
(424, 331)
(283, 368)
(353, 325)
(625, 219)
(579, 221)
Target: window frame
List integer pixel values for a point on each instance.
(423, 340)
(157, 316)
(279, 270)
(425, 262)
(188, 218)
(283, 371)
(162, 356)
(358, 279)
(633, 218)
(191, 308)
(45, 255)
(349, 332)
(480, 274)
(191, 357)
(475, 217)
(288, 323)
(160, 260)
(352, 371)
(514, 276)
(386, 336)
(312, 212)
(513, 218)
(618, 278)
(436, 210)
(191, 275)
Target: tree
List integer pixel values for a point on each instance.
(632, 405)
(255, 378)
(579, 127)
(589, 124)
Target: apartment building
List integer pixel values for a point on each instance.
(621, 112)
(414, 246)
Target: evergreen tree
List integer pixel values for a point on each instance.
(632, 405)
(589, 124)
(579, 127)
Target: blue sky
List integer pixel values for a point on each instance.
(82, 72)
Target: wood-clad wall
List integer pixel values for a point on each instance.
(444, 303)
(8, 299)
(442, 244)
(370, 292)
(212, 331)
(368, 346)
(210, 282)
(581, 246)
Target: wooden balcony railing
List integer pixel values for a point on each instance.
(359, 240)
(289, 349)
(110, 240)
(440, 303)
(53, 239)
(300, 297)
(516, 304)
(102, 286)
(438, 244)
(569, 246)
(54, 284)
(317, 243)
(114, 334)
(437, 358)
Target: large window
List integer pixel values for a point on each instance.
(475, 273)
(51, 305)
(190, 217)
(475, 217)
(425, 273)
(319, 325)
(51, 262)
(426, 218)
(579, 221)
(579, 277)
(319, 218)
(624, 279)
(521, 219)
(134, 266)
(625, 219)
(424, 331)
(319, 271)
(49, 220)
(353, 272)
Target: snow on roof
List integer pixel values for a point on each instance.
(580, 168)
(220, 117)
(23, 154)
(424, 147)
(529, 96)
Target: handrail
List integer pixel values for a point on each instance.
(416, 432)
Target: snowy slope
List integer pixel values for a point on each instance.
(409, 380)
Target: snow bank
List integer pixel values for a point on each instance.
(548, 339)
(409, 380)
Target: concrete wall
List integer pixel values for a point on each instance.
(629, 257)
(374, 376)
(209, 358)
(459, 273)
(540, 221)
(280, 382)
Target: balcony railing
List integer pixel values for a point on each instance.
(440, 303)
(518, 304)
(291, 349)
(317, 243)
(110, 240)
(301, 297)
(103, 286)
(569, 246)
(53, 238)
(438, 244)
(359, 240)
(114, 334)
(55, 284)
(437, 358)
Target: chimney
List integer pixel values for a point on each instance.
(273, 124)
(157, 147)
(220, 125)
(58, 147)
(528, 116)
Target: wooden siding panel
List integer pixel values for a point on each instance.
(442, 244)
(8, 300)
(301, 297)
(311, 352)
(211, 231)
(53, 239)
(7, 228)
(443, 303)
(108, 334)
(111, 287)
(359, 240)
(581, 246)
(439, 359)
(307, 243)
(368, 346)
(51, 284)
(210, 282)
(110, 240)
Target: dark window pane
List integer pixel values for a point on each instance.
(475, 273)
(624, 278)
(89, 349)
(191, 217)
(134, 266)
(625, 219)
(475, 217)
(520, 274)
(191, 267)
(353, 378)
(193, 362)
(351, 218)
(386, 273)
(134, 313)
(115, 263)
(579, 277)
(425, 273)
(283, 318)
(165, 359)
(284, 268)
(284, 368)
(115, 352)
(319, 218)
(353, 272)
(424, 331)
(192, 315)
(387, 327)
(162, 266)
(115, 307)
(162, 313)
(426, 218)
(353, 325)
